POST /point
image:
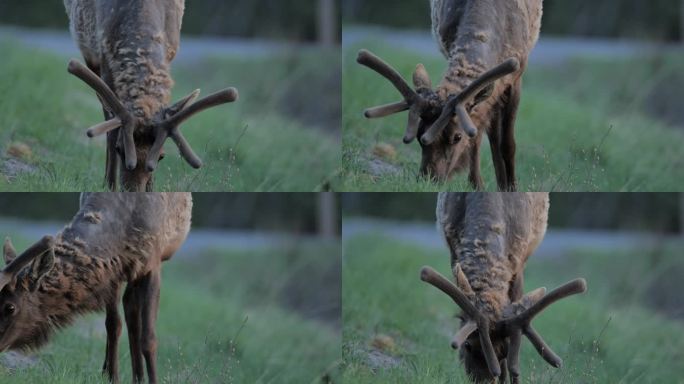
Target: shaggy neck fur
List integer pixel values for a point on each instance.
(76, 285)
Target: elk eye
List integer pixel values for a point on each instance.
(457, 138)
(467, 346)
(9, 309)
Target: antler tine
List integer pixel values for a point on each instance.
(434, 278)
(513, 358)
(386, 110)
(568, 289)
(224, 96)
(375, 63)
(104, 127)
(455, 105)
(96, 83)
(169, 127)
(542, 348)
(40, 247)
(521, 323)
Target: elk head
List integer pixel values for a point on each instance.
(143, 138)
(22, 325)
(482, 342)
(439, 124)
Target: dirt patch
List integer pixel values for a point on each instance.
(13, 360)
(12, 167)
(378, 168)
(379, 360)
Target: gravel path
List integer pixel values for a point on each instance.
(556, 243)
(549, 50)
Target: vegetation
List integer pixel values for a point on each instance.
(223, 318)
(611, 137)
(259, 143)
(397, 329)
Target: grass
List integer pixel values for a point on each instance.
(588, 125)
(224, 318)
(254, 144)
(611, 334)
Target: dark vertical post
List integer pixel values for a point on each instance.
(327, 22)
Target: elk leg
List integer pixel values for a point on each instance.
(494, 135)
(131, 302)
(149, 289)
(504, 372)
(516, 293)
(113, 325)
(508, 134)
(111, 168)
(474, 177)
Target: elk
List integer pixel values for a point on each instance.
(486, 44)
(115, 238)
(128, 46)
(490, 237)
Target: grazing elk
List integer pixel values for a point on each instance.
(490, 236)
(486, 43)
(128, 46)
(112, 240)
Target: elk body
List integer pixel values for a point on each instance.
(128, 46)
(114, 240)
(486, 44)
(490, 237)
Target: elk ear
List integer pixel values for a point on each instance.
(8, 251)
(182, 103)
(421, 78)
(41, 265)
(462, 280)
(483, 94)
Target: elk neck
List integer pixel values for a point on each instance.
(137, 57)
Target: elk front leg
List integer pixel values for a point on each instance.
(149, 288)
(132, 310)
(494, 135)
(113, 325)
(508, 134)
(474, 177)
(515, 293)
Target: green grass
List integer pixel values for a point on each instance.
(224, 318)
(249, 145)
(608, 335)
(581, 127)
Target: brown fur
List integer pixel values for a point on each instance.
(114, 239)
(130, 44)
(490, 237)
(475, 36)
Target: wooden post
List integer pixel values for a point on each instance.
(327, 22)
(328, 217)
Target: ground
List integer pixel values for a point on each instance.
(224, 318)
(627, 328)
(606, 123)
(269, 140)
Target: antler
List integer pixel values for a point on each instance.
(124, 117)
(513, 327)
(412, 102)
(456, 104)
(169, 127)
(520, 324)
(7, 274)
(434, 278)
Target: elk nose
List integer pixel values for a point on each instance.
(454, 345)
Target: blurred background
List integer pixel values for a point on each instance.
(258, 277)
(602, 74)
(281, 56)
(628, 246)
(660, 20)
